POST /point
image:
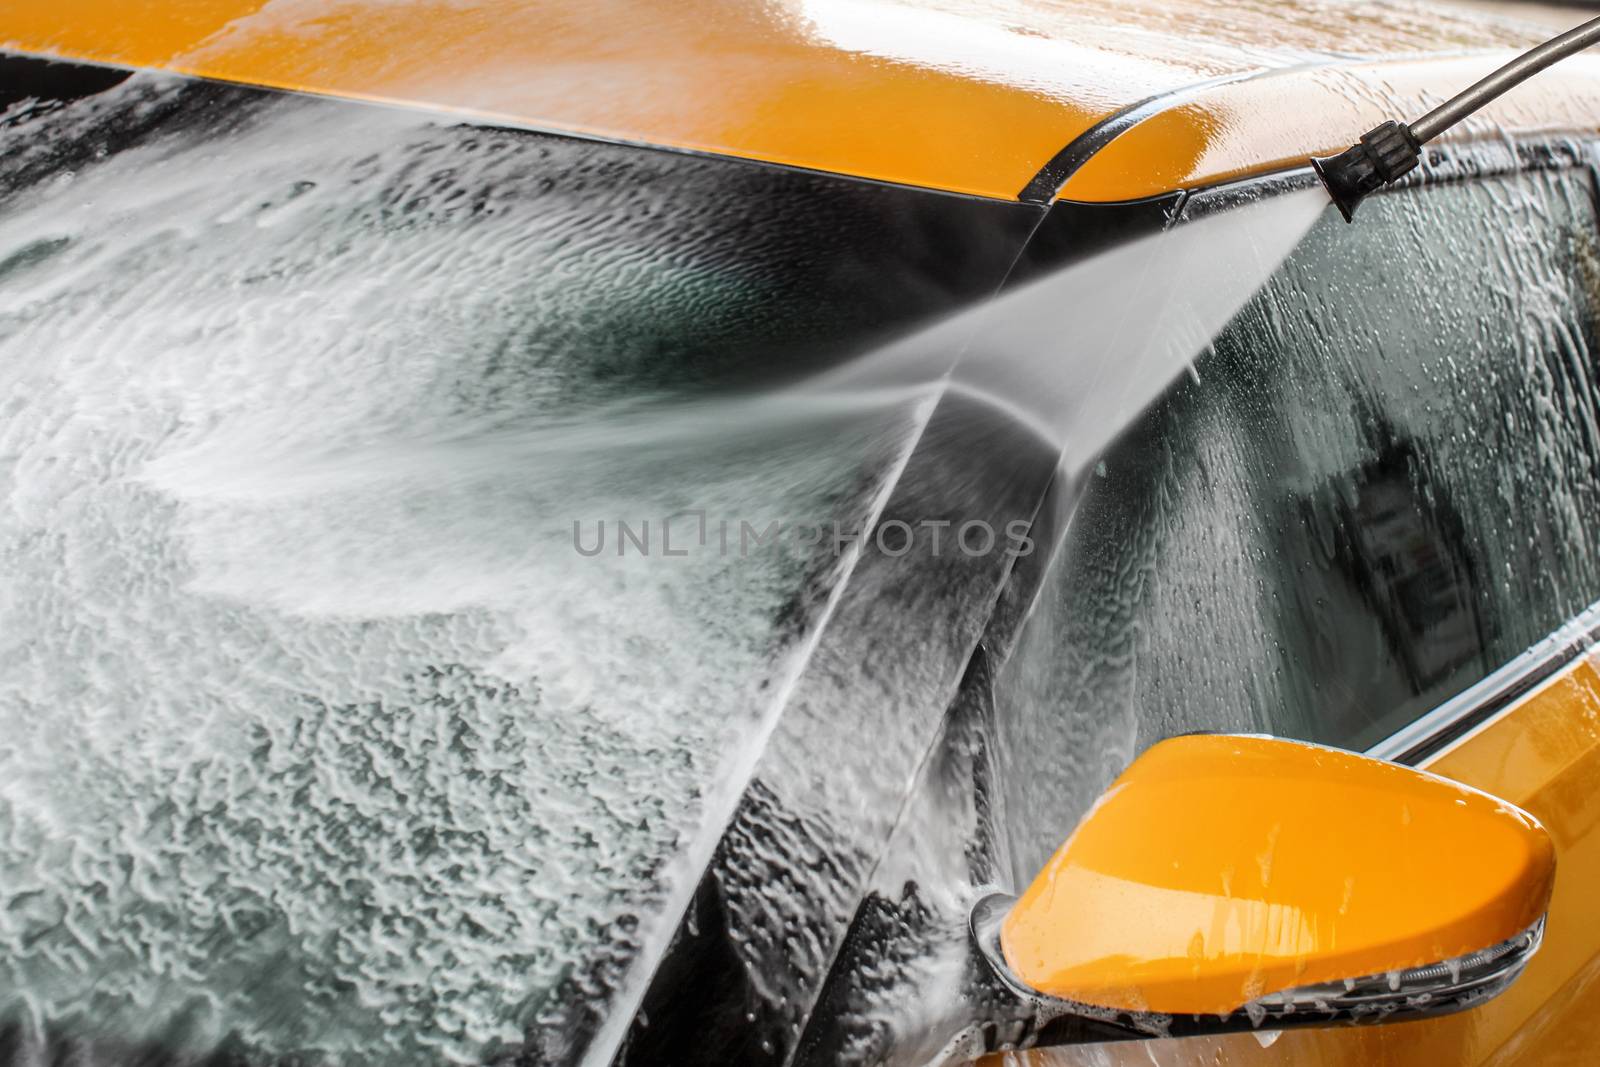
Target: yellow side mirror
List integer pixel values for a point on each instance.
(1277, 883)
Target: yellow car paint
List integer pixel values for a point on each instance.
(1220, 868)
(970, 96)
(1543, 754)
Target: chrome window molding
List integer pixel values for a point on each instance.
(1493, 695)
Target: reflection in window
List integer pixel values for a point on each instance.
(1401, 547)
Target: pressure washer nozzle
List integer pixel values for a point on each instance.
(1384, 153)
(1388, 151)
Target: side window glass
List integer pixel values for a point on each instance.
(1382, 483)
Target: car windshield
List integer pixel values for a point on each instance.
(341, 712)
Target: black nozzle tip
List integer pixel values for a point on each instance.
(1340, 176)
(1385, 153)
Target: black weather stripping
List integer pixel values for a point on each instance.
(34, 78)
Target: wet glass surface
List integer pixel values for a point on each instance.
(1381, 483)
(318, 739)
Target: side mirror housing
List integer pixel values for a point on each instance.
(1228, 882)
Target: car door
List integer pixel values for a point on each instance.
(1367, 520)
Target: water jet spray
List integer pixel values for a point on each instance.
(1390, 150)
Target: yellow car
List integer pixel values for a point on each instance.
(540, 532)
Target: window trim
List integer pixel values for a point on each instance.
(1492, 696)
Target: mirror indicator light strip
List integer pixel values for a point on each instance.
(1038, 1020)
